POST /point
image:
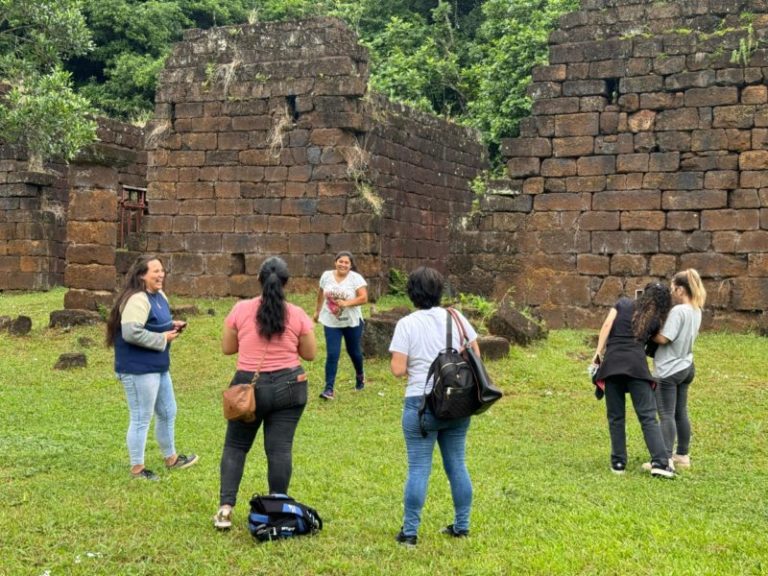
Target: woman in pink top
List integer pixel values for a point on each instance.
(269, 336)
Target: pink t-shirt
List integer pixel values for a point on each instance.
(281, 352)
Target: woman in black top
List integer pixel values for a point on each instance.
(624, 368)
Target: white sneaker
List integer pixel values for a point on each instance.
(681, 461)
(223, 518)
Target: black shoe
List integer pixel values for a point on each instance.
(406, 540)
(618, 467)
(662, 471)
(451, 531)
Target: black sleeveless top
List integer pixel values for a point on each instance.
(624, 356)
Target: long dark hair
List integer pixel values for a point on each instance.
(133, 283)
(352, 265)
(270, 318)
(651, 311)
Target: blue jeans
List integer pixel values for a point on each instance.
(451, 436)
(148, 393)
(353, 336)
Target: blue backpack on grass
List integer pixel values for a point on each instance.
(278, 516)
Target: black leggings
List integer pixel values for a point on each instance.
(280, 400)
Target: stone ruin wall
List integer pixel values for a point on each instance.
(646, 153)
(266, 142)
(51, 229)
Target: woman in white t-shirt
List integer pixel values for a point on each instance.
(417, 340)
(673, 363)
(341, 294)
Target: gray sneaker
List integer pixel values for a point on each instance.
(145, 474)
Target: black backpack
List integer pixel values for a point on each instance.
(279, 516)
(454, 393)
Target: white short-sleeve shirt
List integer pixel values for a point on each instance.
(421, 337)
(344, 290)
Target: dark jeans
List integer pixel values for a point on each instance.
(353, 337)
(672, 401)
(280, 400)
(616, 388)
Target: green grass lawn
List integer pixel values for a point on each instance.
(545, 499)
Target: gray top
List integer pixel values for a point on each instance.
(681, 329)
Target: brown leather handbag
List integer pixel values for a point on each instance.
(239, 400)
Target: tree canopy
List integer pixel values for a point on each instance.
(469, 60)
(41, 111)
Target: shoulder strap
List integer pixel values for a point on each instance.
(462, 331)
(448, 328)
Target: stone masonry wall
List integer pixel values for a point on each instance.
(265, 142)
(421, 169)
(40, 245)
(646, 153)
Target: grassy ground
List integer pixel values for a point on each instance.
(545, 500)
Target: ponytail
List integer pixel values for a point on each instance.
(271, 316)
(690, 281)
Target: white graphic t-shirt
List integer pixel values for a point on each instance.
(330, 314)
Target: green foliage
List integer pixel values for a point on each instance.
(747, 46)
(466, 59)
(511, 40)
(41, 112)
(545, 502)
(398, 280)
(133, 38)
(47, 116)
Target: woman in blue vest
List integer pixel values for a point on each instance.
(141, 329)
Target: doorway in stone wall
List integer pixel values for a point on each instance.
(132, 206)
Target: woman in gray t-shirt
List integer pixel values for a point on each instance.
(673, 363)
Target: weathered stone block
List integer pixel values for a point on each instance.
(509, 323)
(694, 199)
(741, 116)
(641, 121)
(522, 167)
(711, 96)
(632, 163)
(730, 219)
(629, 265)
(721, 179)
(90, 277)
(103, 233)
(524, 147)
(70, 318)
(572, 147)
(754, 160)
(627, 200)
(596, 165)
(597, 220)
(750, 293)
(643, 220)
(585, 183)
(715, 265)
(584, 124)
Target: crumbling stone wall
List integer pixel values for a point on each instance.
(646, 152)
(265, 142)
(43, 242)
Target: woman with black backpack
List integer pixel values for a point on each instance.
(418, 339)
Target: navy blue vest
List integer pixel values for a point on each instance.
(131, 359)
